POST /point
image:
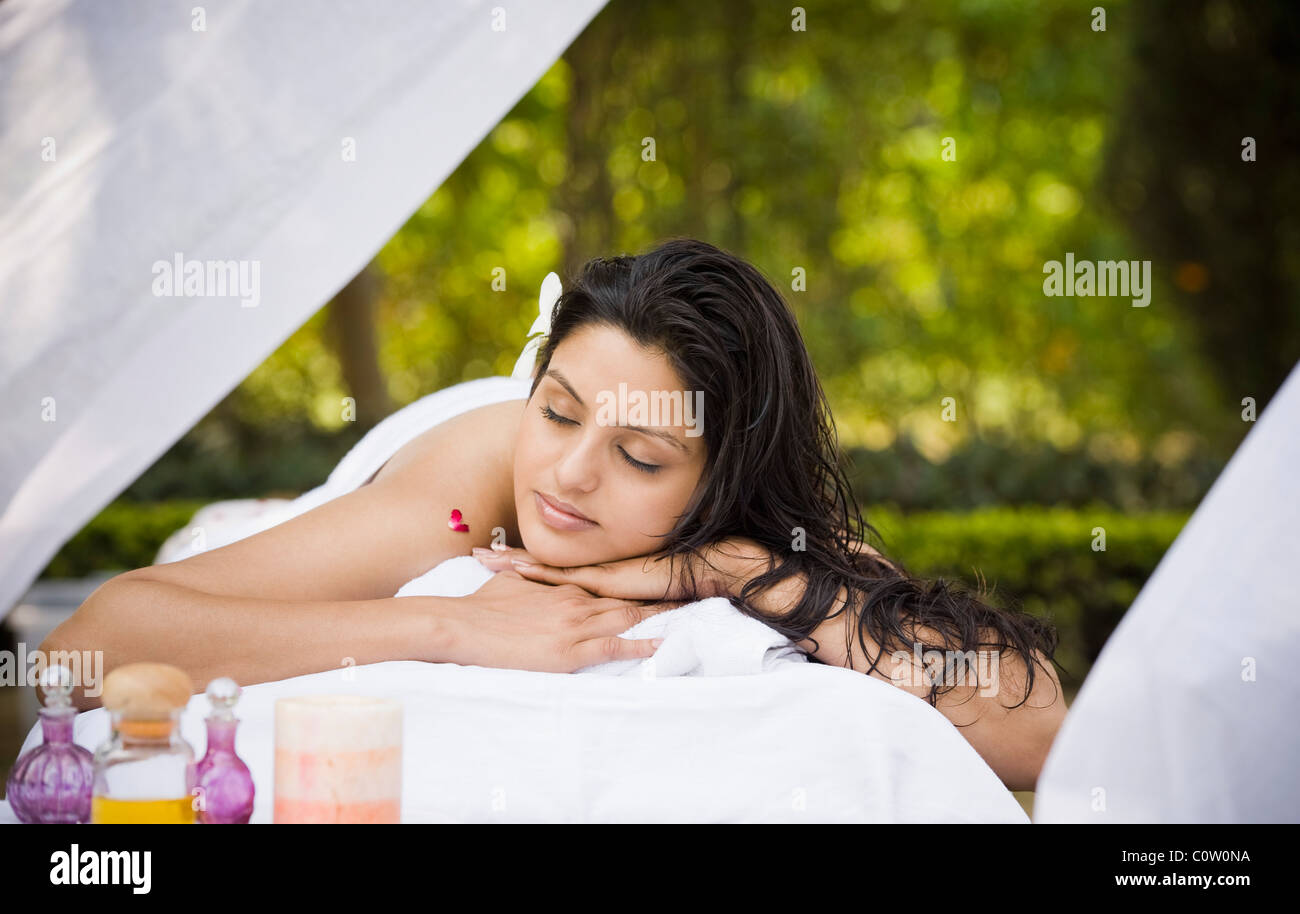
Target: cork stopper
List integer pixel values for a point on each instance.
(146, 690)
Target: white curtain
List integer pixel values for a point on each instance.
(290, 139)
(1190, 713)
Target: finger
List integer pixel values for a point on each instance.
(501, 549)
(624, 579)
(580, 577)
(664, 605)
(607, 649)
(495, 562)
(604, 604)
(554, 576)
(620, 618)
(498, 559)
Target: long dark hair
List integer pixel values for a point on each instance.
(773, 461)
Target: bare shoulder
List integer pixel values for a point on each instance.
(479, 442)
(484, 433)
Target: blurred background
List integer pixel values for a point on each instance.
(819, 154)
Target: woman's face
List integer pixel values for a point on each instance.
(576, 448)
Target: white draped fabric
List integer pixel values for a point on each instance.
(281, 142)
(1189, 714)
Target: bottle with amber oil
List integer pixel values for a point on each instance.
(145, 772)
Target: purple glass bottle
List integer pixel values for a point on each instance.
(52, 783)
(225, 785)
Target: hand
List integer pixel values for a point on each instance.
(512, 623)
(724, 570)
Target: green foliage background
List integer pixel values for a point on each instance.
(820, 152)
(817, 154)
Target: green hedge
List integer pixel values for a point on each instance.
(981, 474)
(1033, 558)
(1040, 560)
(124, 535)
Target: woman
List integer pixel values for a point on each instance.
(737, 492)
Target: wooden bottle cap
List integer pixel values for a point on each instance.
(146, 690)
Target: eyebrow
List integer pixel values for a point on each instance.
(653, 432)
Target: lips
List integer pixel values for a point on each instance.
(561, 515)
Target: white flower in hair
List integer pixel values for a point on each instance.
(541, 328)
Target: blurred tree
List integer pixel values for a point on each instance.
(1203, 77)
(584, 199)
(352, 333)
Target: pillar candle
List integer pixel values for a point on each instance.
(338, 758)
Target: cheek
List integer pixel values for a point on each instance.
(648, 514)
(528, 454)
(525, 477)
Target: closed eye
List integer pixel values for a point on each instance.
(643, 467)
(555, 417)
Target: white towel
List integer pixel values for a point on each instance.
(705, 638)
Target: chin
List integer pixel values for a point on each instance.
(563, 550)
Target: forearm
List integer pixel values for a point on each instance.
(250, 640)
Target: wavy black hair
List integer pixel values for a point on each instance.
(773, 460)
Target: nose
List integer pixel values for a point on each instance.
(576, 470)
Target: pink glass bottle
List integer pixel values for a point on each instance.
(225, 785)
(52, 783)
